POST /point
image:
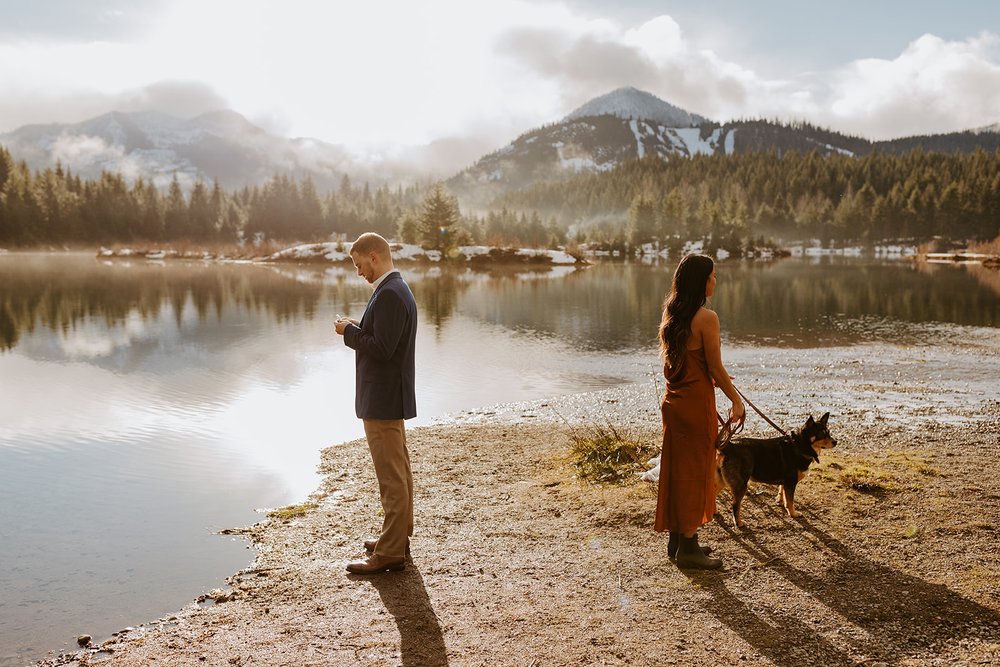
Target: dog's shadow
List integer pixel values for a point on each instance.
(421, 642)
(900, 614)
(776, 634)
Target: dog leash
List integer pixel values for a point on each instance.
(730, 429)
(757, 410)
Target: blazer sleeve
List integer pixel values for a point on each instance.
(388, 315)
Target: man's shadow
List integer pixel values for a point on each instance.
(900, 614)
(421, 642)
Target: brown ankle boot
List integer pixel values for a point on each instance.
(673, 542)
(690, 555)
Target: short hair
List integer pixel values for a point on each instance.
(371, 242)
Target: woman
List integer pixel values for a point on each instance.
(692, 352)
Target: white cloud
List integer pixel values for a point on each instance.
(933, 86)
(78, 150)
(387, 76)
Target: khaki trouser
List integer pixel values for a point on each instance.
(387, 444)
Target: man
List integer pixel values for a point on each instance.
(384, 341)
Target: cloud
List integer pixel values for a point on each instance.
(88, 155)
(438, 159)
(933, 86)
(653, 56)
(76, 151)
(390, 79)
(185, 99)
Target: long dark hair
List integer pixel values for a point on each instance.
(687, 295)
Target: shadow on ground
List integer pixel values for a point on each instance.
(405, 597)
(899, 615)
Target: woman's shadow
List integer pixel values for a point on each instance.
(901, 615)
(421, 642)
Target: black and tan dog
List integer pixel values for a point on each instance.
(782, 461)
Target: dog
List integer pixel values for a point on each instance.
(783, 461)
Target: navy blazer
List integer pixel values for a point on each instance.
(384, 345)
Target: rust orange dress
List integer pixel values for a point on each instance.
(686, 498)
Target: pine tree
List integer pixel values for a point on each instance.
(408, 228)
(202, 224)
(641, 220)
(438, 220)
(175, 217)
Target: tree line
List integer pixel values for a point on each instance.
(732, 201)
(56, 206)
(793, 195)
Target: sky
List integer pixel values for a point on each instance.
(464, 77)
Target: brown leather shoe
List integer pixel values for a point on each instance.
(376, 564)
(371, 544)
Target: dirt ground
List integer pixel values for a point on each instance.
(517, 561)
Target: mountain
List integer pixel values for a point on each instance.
(623, 125)
(221, 145)
(627, 124)
(629, 103)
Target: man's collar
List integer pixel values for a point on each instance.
(382, 278)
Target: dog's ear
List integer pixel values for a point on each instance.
(810, 422)
(823, 419)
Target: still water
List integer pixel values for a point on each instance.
(144, 406)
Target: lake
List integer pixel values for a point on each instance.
(145, 405)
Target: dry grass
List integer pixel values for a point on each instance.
(916, 462)
(609, 454)
(893, 470)
(291, 511)
(867, 480)
(987, 247)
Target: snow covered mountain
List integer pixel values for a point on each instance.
(624, 124)
(220, 145)
(630, 103)
(628, 124)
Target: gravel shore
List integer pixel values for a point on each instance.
(517, 561)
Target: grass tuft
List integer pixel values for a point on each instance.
(291, 511)
(607, 454)
(918, 462)
(865, 479)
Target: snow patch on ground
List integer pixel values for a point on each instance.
(634, 125)
(695, 145)
(338, 251)
(579, 164)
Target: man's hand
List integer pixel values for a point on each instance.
(340, 324)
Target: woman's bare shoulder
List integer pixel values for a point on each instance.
(704, 320)
(704, 315)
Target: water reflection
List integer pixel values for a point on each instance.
(101, 307)
(143, 406)
(614, 307)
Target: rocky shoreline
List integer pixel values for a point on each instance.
(517, 561)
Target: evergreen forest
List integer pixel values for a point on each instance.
(731, 201)
(794, 195)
